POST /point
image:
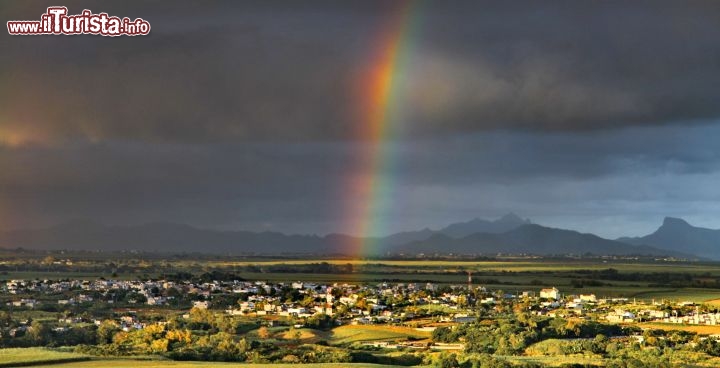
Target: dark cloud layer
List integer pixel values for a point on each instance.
(642, 172)
(596, 115)
(248, 71)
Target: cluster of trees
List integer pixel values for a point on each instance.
(477, 361)
(36, 333)
(663, 279)
(320, 267)
(529, 335)
(512, 335)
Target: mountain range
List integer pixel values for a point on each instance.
(535, 239)
(509, 234)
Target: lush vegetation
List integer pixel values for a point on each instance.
(504, 340)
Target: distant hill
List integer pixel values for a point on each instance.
(677, 234)
(501, 225)
(533, 239)
(405, 237)
(456, 230)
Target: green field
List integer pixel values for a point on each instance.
(43, 357)
(348, 334)
(557, 361)
(16, 357)
(449, 270)
(680, 295)
(127, 363)
(361, 333)
(507, 265)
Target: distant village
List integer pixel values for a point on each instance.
(424, 306)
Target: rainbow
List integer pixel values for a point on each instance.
(372, 182)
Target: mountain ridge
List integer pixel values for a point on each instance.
(477, 225)
(507, 234)
(535, 239)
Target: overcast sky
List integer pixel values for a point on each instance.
(600, 116)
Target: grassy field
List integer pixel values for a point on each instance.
(17, 357)
(680, 295)
(503, 265)
(42, 357)
(678, 359)
(699, 329)
(557, 361)
(362, 333)
(386, 268)
(127, 363)
(346, 334)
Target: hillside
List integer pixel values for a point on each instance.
(677, 234)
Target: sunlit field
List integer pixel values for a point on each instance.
(350, 334)
(14, 357)
(684, 294)
(126, 363)
(699, 329)
(42, 357)
(517, 265)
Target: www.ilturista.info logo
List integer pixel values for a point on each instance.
(57, 22)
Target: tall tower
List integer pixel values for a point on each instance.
(469, 280)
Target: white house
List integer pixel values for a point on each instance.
(552, 293)
(201, 304)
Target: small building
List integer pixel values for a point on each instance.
(201, 304)
(551, 293)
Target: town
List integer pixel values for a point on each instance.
(430, 321)
(408, 303)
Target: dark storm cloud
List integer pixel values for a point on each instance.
(572, 66)
(243, 115)
(248, 71)
(303, 187)
(503, 156)
(209, 185)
